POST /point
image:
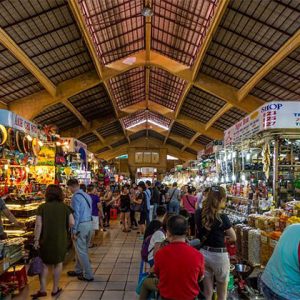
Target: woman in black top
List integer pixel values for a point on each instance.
(141, 201)
(212, 228)
(125, 208)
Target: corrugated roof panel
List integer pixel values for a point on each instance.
(58, 115)
(89, 138)
(129, 88)
(174, 143)
(229, 118)
(48, 34)
(179, 27)
(117, 27)
(138, 135)
(156, 135)
(119, 143)
(110, 129)
(182, 130)
(201, 105)
(15, 81)
(249, 34)
(93, 103)
(165, 88)
(203, 139)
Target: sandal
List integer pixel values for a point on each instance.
(39, 294)
(59, 290)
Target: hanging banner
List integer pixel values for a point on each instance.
(272, 115)
(10, 119)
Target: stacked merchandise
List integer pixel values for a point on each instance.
(257, 239)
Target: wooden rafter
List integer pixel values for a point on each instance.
(93, 52)
(109, 154)
(20, 55)
(218, 114)
(76, 112)
(101, 139)
(192, 140)
(29, 107)
(220, 10)
(288, 47)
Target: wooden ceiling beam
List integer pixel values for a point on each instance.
(101, 139)
(148, 3)
(108, 141)
(199, 127)
(93, 52)
(220, 10)
(79, 131)
(218, 114)
(191, 141)
(76, 112)
(288, 47)
(24, 59)
(155, 143)
(29, 107)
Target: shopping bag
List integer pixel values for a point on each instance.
(35, 266)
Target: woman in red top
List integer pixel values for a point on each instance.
(189, 202)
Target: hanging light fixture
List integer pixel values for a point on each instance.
(147, 11)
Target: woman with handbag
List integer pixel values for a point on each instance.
(212, 228)
(189, 202)
(53, 221)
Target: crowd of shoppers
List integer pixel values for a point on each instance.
(168, 221)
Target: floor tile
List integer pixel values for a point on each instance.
(102, 277)
(118, 278)
(130, 286)
(70, 295)
(96, 286)
(120, 271)
(112, 295)
(130, 296)
(103, 271)
(76, 286)
(91, 295)
(115, 286)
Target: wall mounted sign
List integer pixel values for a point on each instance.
(272, 115)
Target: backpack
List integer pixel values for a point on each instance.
(145, 247)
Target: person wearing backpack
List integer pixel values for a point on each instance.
(173, 198)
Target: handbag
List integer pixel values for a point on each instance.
(35, 266)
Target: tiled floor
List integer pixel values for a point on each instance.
(116, 263)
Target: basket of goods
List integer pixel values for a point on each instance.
(264, 248)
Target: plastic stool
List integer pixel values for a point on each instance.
(113, 214)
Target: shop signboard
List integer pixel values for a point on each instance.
(10, 119)
(272, 115)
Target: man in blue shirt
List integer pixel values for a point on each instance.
(82, 231)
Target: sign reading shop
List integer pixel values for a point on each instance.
(273, 115)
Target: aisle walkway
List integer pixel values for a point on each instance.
(116, 265)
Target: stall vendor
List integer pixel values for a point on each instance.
(9, 216)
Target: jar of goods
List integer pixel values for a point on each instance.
(245, 239)
(264, 248)
(282, 222)
(273, 240)
(239, 234)
(270, 224)
(254, 247)
(251, 220)
(260, 222)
